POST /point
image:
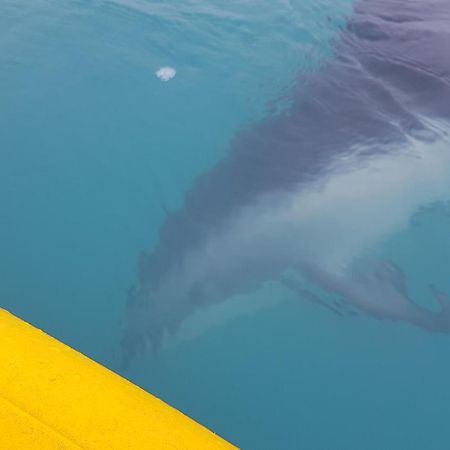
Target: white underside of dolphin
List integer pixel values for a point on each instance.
(326, 227)
(311, 191)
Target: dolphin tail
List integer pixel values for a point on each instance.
(438, 321)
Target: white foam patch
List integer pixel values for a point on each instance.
(165, 73)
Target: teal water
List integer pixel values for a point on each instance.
(94, 149)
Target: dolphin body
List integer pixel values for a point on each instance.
(363, 145)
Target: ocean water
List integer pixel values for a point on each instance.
(96, 150)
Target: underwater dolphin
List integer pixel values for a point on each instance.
(362, 146)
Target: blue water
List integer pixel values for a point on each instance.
(94, 149)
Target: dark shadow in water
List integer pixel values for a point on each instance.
(355, 140)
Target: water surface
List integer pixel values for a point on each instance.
(95, 150)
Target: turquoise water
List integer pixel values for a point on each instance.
(94, 149)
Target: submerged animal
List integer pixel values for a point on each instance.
(363, 145)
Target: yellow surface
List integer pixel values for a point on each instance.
(52, 397)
